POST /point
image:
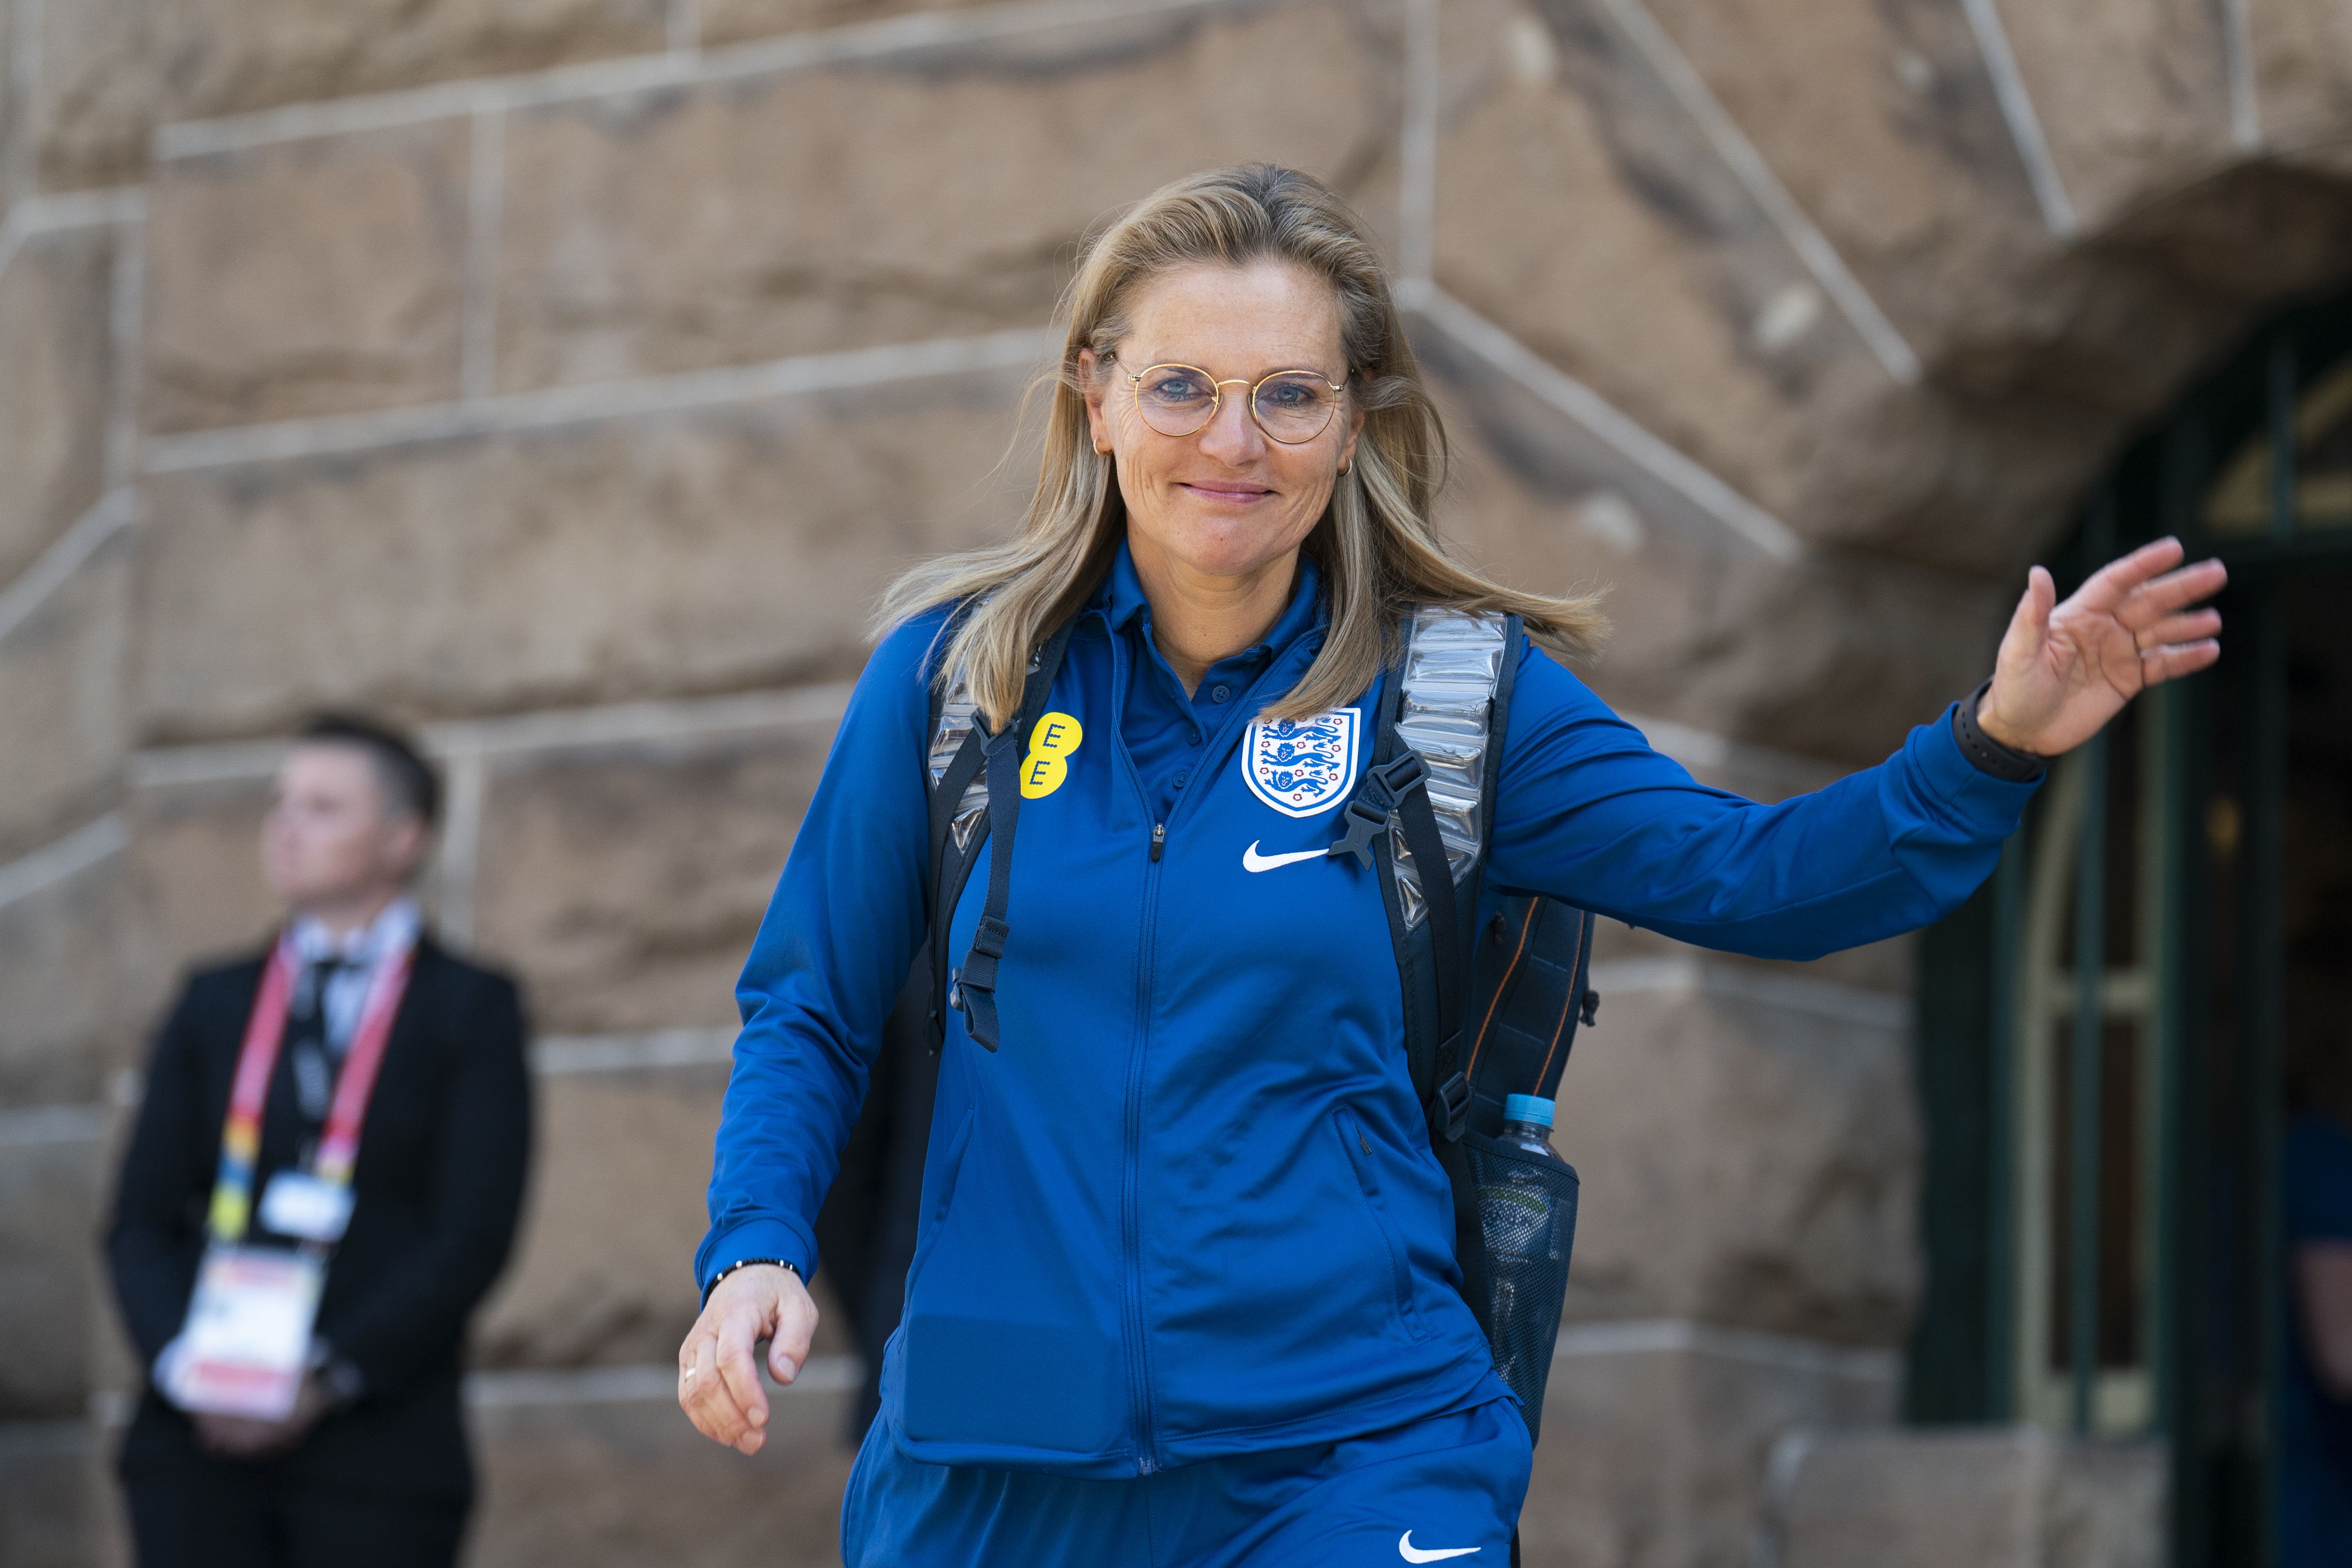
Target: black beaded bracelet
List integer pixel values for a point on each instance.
(745, 1263)
(2003, 762)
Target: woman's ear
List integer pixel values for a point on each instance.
(1098, 422)
(1348, 448)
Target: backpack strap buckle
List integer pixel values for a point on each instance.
(1368, 812)
(1399, 777)
(1449, 1108)
(1365, 821)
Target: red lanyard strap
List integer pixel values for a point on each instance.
(265, 1033)
(340, 1144)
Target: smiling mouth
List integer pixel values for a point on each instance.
(1227, 492)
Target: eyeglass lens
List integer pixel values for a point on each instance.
(1291, 406)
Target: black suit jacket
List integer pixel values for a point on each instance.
(437, 1186)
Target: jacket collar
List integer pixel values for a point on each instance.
(1120, 601)
(393, 931)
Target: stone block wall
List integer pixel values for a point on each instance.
(563, 377)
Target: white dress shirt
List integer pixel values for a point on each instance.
(385, 938)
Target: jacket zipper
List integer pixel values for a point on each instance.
(1147, 1443)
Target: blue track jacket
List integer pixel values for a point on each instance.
(1190, 1210)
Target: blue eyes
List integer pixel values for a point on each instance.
(1291, 406)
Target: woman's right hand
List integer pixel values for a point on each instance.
(718, 1381)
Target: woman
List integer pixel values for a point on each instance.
(1185, 1290)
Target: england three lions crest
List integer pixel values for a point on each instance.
(1302, 768)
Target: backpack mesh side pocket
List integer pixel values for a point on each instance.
(1527, 1211)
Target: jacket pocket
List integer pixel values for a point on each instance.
(998, 1364)
(1357, 1146)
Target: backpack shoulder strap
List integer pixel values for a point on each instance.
(1428, 802)
(1456, 681)
(996, 760)
(959, 820)
(1424, 817)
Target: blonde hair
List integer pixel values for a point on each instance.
(1375, 544)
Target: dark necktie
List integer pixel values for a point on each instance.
(311, 1044)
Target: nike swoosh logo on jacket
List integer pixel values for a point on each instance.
(1253, 861)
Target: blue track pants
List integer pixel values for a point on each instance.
(1447, 1489)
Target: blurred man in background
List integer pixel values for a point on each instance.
(323, 1182)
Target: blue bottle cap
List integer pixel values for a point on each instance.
(1528, 1108)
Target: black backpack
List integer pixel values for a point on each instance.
(1495, 986)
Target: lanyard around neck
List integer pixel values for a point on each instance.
(265, 1031)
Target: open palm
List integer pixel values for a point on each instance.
(2064, 669)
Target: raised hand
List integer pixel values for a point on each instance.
(718, 1380)
(2064, 669)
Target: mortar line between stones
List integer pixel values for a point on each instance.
(1692, 974)
(46, 1127)
(66, 555)
(512, 411)
(2238, 65)
(651, 72)
(36, 215)
(62, 858)
(1614, 428)
(126, 311)
(2024, 124)
(459, 854)
(1784, 1353)
(1417, 156)
(1820, 258)
(674, 719)
(562, 1055)
(485, 194)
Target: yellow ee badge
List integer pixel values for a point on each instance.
(1050, 745)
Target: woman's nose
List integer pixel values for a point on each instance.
(1232, 435)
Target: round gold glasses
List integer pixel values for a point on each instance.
(1290, 406)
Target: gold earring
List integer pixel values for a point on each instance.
(1344, 468)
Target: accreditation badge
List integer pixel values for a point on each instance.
(248, 1340)
(296, 1202)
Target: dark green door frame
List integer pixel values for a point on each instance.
(2216, 1311)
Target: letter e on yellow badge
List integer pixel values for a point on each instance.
(1050, 744)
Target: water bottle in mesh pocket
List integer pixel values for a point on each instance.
(1526, 1211)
